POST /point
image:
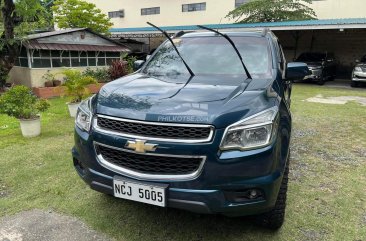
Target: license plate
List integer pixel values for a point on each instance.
(140, 192)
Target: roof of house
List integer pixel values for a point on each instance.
(33, 43)
(75, 47)
(286, 25)
(54, 33)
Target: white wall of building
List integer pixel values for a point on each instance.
(171, 11)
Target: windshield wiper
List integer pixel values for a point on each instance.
(171, 41)
(232, 44)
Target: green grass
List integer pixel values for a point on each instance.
(326, 198)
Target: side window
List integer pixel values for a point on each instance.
(282, 58)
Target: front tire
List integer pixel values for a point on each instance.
(354, 84)
(275, 218)
(321, 81)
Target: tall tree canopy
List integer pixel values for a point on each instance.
(272, 11)
(18, 18)
(80, 14)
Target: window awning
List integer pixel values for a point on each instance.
(34, 44)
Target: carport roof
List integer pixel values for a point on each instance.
(349, 23)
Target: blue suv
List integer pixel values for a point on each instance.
(203, 125)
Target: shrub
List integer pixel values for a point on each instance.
(3, 76)
(76, 85)
(100, 74)
(130, 61)
(21, 103)
(118, 69)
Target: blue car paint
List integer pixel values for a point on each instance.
(220, 103)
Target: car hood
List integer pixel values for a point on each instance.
(200, 99)
(314, 64)
(363, 65)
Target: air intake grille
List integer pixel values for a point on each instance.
(155, 130)
(149, 164)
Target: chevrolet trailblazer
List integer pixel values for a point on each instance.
(203, 125)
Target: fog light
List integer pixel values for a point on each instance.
(244, 195)
(253, 194)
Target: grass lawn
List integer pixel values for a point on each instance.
(327, 187)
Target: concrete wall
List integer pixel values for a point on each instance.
(171, 11)
(34, 77)
(20, 75)
(347, 45)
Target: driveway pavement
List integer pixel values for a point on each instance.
(42, 225)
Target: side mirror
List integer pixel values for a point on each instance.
(138, 64)
(297, 71)
(148, 57)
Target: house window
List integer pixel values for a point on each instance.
(116, 14)
(238, 3)
(193, 7)
(57, 58)
(22, 59)
(150, 11)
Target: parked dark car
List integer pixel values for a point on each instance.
(359, 73)
(322, 65)
(195, 127)
(137, 55)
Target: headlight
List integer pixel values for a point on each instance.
(358, 69)
(84, 116)
(253, 132)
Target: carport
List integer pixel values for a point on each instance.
(346, 38)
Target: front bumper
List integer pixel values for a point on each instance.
(225, 175)
(359, 76)
(316, 74)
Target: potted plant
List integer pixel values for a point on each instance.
(21, 103)
(50, 79)
(76, 88)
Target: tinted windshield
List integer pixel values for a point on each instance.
(212, 56)
(363, 59)
(311, 57)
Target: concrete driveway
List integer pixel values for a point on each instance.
(38, 225)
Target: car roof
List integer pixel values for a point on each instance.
(259, 34)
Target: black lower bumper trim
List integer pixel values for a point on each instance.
(192, 206)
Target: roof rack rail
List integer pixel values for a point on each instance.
(178, 34)
(265, 31)
(181, 33)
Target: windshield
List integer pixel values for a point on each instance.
(212, 56)
(363, 59)
(311, 57)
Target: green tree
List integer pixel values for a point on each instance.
(80, 14)
(18, 18)
(272, 11)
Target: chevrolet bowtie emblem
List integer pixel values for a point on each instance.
(140, 146)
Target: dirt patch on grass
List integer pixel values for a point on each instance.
(338, 100)
(312, 234)
(4, 191)
(42, 225)
(363, 219)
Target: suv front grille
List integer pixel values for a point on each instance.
(152, 164)
(169, 131)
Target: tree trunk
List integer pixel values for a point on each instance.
(10, 50)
